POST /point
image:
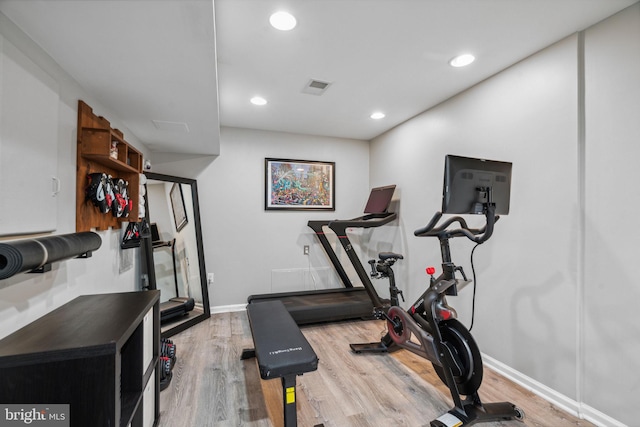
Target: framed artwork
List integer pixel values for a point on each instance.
(299, 185)
(177, 205)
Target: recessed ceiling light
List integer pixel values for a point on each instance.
(283, 21)
(462, 60)
(377, 115)
(258, 100)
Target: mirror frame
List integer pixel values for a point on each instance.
(148, 262)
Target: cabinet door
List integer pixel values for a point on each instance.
(147, 340)
(149, 403)
(29, 104)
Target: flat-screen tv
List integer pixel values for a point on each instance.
(470, 184)
(379, 199)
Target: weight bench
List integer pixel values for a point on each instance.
(281, 350)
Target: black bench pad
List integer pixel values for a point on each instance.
(280, 347)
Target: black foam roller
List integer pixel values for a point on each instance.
(29, 254)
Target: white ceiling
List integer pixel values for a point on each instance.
(156, 59)
(144, 59)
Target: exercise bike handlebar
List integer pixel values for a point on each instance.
(478, 235)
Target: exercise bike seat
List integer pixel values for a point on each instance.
(389, 255)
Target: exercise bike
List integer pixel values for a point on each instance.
(439, 336)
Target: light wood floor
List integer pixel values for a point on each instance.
(212, 387)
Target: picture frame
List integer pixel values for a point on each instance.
(177, 206)
(299, 185)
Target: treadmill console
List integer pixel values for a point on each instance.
(367, 217)
(379, 200)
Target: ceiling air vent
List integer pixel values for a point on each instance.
(178, 127)
(315, 87)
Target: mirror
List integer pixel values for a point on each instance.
(173, 253)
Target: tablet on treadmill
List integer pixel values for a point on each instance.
(379, 200)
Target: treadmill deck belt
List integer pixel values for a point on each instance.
(328, 305)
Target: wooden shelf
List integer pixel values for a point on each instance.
(95, 138)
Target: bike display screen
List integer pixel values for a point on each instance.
(470, 183)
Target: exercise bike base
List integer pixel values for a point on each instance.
(499, 411)
(385, 345)
(373, 347)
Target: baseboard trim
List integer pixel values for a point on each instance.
(536, 387)
(228, 308)
(598, 418)
(563, 402)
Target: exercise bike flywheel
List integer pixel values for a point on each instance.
(465, 350)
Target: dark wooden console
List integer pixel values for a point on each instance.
(97, 353)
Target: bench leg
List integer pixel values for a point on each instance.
(289, 399)
(248, 353)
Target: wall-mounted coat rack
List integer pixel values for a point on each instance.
(103, 149)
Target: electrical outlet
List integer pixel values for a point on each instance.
(209, 278)
(306, 250)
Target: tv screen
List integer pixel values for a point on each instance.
(379, 199)
(469, 182)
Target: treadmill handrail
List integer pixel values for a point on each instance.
(340, 228)
(367, 221)
(317, 227)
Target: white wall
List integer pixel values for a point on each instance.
(26, 297)
(254, 251)
(609, 319)
(525, 115)
(557, 320)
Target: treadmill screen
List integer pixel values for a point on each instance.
(379, 199)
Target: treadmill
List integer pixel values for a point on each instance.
(177, 306)
(332, 305)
